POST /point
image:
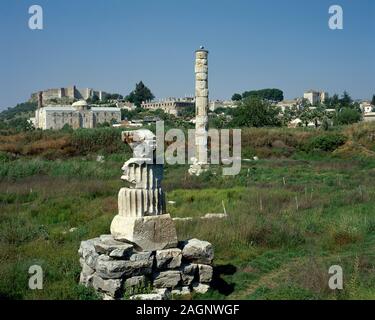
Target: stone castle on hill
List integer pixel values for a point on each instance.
(69, 93)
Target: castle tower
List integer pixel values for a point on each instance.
(40, 99)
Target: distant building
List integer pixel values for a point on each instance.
(366, 107)
(215, 104)
(174, 106)
(126, 105)
(288, 104)
(315, 97)
(369, 117)
(71, 93)
(77, 115)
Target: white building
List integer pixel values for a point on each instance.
(215, 104)
(369, 117)
(174, 106)
(315, 97)
(366, 107)
(77, 115)
(288, 104)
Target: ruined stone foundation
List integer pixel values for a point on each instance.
(117, 270)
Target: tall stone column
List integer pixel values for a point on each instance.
(200, 162)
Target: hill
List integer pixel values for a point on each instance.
(24, 110)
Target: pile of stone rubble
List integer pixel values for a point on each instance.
(116, 269)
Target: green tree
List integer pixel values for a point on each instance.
(265, 94)
(236, 97)
(306, 116)
(139, 94)
(254, 112)
(318, 114)
(348, 116)
(21, 124)
(345, 100)
(290, 114)
(373, 100)
(325, 123)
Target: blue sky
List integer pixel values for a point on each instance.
(112, 44)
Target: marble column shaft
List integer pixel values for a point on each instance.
(201, 105)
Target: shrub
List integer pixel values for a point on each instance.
(325, 142)
(348, 116)
(92, 140)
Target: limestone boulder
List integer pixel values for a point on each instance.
(168, 258)
(167, 279)
(111, 287)
(86, 279)
(123, 252)
(87, 273)
(205, 273)
(149, 296)
(108, 245)
(181, 291)
(164, 292)
(200, 288)
(141, 256)
(197, 251)
(188, 273)
(88, 253)
(135, 282)
(108, 268)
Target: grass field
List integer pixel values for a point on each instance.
(307, 204)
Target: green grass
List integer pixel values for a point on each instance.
(290, 219)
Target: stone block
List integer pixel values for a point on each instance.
(135, 282)
(86, 279)
(147, 233)
(111, 287)
(205, 273)
(201, 54)
(201, 76)
(188, 273)
(108, 268)
(181, 291)
(200, 287)
(108, 245)
(88, 253)
(197, 251)
(149, 296)
(201, 62)
(201, 68)
(167, 279)
(201, 92)
(168, 258)
(200, 84)
(164, 292)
